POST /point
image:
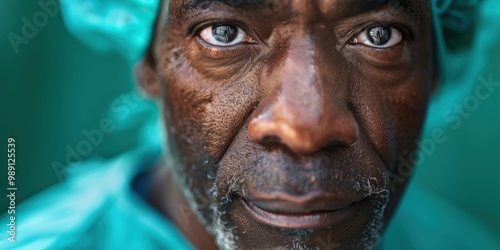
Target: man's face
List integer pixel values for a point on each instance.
(287, 117)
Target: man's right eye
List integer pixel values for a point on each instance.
(224, 35)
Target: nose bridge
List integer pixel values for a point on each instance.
(300, 90)
(307, 109)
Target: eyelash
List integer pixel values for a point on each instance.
(351, 34)
(194, 30)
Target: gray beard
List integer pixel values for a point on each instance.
(226, 238)
(371, 235)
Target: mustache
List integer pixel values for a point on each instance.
(339, 173)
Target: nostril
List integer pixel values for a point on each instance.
(270, 139)
(262, 130)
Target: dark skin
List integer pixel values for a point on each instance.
(285, 119)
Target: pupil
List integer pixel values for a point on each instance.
(379, 35)
(224, 33)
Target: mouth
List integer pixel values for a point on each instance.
(310, 212)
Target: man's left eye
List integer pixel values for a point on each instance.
(379, 37)
(223, 35)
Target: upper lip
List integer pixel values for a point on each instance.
(310, 203)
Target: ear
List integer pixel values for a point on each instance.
(146, 76)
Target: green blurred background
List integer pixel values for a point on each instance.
(54, 88)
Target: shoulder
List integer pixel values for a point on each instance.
(78, 209)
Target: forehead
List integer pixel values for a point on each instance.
(317, 8)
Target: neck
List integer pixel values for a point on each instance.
(167, 197)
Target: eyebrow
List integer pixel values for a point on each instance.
(232, 3)
(362, 6)
(366, 4)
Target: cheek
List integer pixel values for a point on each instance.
(408, 106)
(391, 107)
(226, 115)
(184, 111)
(407, 101)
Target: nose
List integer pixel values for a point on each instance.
(305, 106)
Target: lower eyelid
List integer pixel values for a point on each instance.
(223, 52)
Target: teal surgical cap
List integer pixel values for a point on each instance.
(465, 30)
(112, 25)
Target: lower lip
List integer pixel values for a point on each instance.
(315, 220)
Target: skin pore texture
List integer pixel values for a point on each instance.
(285, 118)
